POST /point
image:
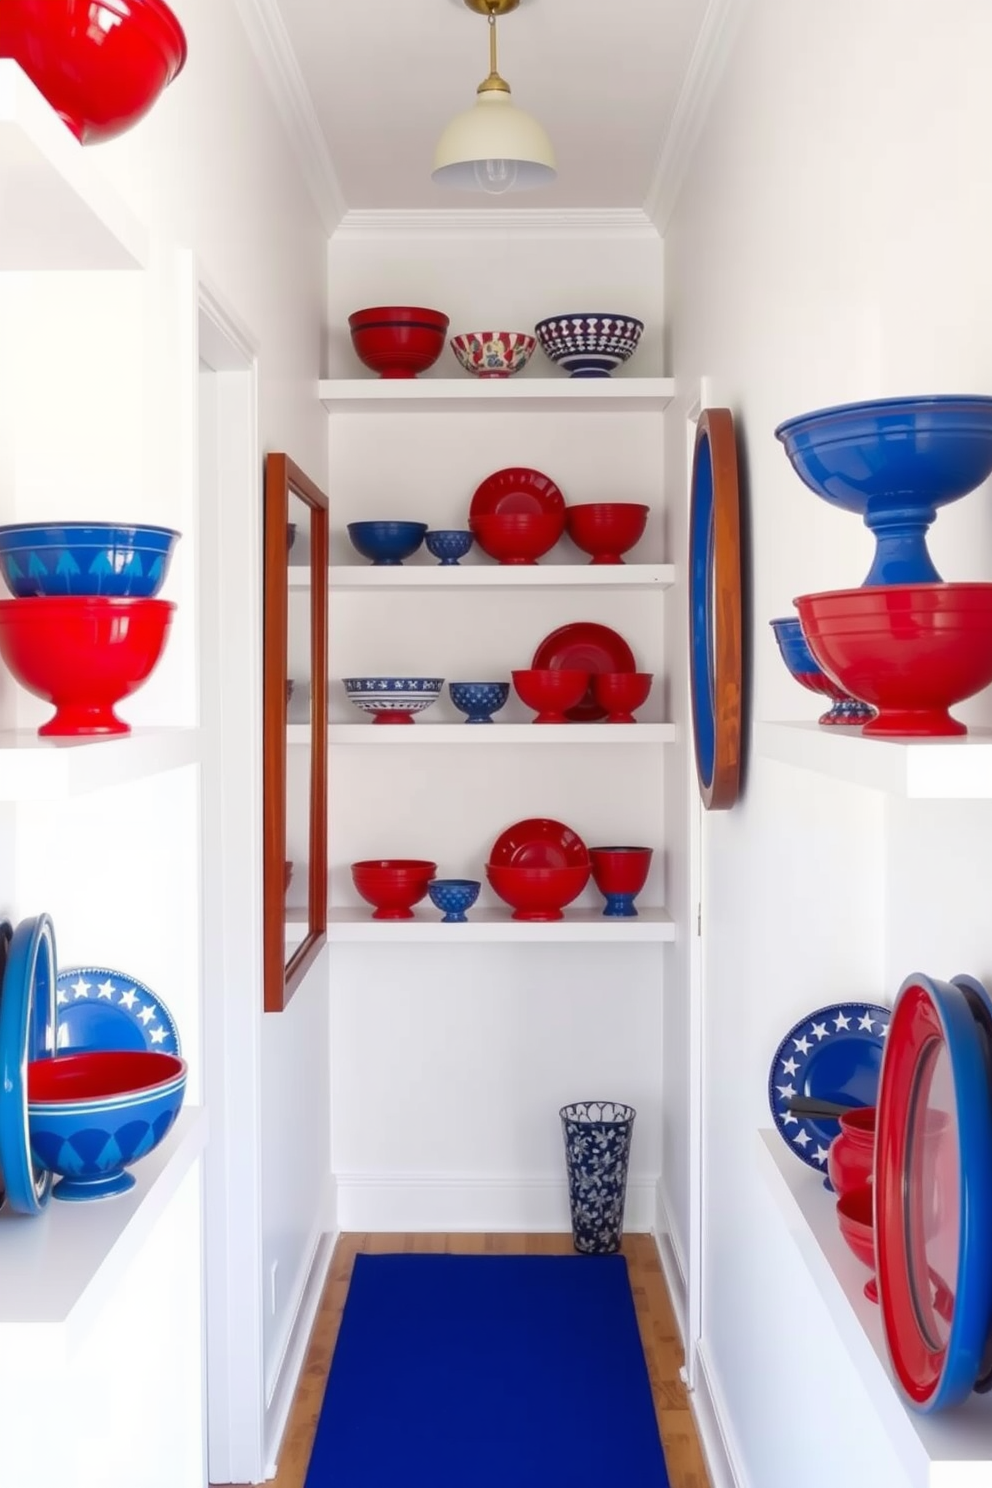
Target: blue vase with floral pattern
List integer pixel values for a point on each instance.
(597, 1149)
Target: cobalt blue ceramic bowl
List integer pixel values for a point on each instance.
(479, 700)
(41, 560)
(803, 665)
(449, 546)
(386, 542)
(453, 896)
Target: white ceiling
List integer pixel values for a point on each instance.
(385, 76)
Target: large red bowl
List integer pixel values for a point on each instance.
(517, 537)
(101, 67)
(857, 1225)
(620, 693)
(606, 529)
(537, 893)
(83, 654)
(393, 885)
(398, 340)
(909, 649)
(550, 693)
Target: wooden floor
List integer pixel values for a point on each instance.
(654, 1315)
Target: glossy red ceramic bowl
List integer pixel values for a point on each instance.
(621, 692)
(517, 537)
(100, 66)
(83, 655)
(537, 893)
(539, 842)
(857, 1225)
(393, 885)
(909, 649)
(606, 529)
(550, 693)
(620, 870)
(398, 340)
(851, 1158)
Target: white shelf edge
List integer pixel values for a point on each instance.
(352, 577)
(58, 1270)
(560, 394)
(355, 925)
(929, 769)
(36, 769)
(437, 734)
(951, 1449)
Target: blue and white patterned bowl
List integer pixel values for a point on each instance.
(449, 545)
(479, 700)
(393, 699)
(39, 560)
(453, 896)
(587, 344)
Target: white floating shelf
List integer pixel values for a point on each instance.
(421, 734)
(34, 769)
(58, 1270)
(929, 769)
(493, 925)
(951, 1449)
(58, 211)
(349, 577)
(487, 395)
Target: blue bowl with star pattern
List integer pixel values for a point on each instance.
(453, 896)
(479, 700)
(90, 559)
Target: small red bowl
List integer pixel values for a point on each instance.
(83, 655)
(398, 340)
(517, 537)
(851, 1158)
(621, 692)
(620, 870)
(605, 529)
(550, 693)
(857, 1224)
(537, 893)
(393, 885)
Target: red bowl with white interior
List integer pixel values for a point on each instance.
(517, 537)
(606, 529)
(393, 885)
(398, 340)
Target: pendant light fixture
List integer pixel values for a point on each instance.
(494, 146)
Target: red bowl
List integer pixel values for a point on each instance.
(620, 870)
(537, 893)
(539, 842)
(83, 654)
(851, 1158)
(605, 529)
(857, 1225)
(550, 693)
(911, 650)
(398, 340)
(101, 67)
(517, 537)
(620, 693)
(393, 885)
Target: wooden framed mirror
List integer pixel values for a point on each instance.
(294, 744)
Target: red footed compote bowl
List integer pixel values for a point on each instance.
(857, 1224)
(620, 874)
(517, 537)
(606, 529)
(393, 885)
(398, 340)
(537, 893)
(550, 692)
(621, 692)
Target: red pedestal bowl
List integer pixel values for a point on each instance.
(857, 1225)
(620, 874)
(517, 537)
(606, 529)
(851, 1158)
(537, 893)
(84, 655)
(393, 885)
(621, 692)
(550, 693)
(398, 340)
(101, 67)
(911, 650)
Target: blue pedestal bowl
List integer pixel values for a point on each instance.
(449, 545)
(479, 700)
(386, 542)
(453, 896)
(803, 665)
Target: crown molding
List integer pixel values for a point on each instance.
(565, 222)
(706, 65)
(266, 30)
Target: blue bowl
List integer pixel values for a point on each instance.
(386, 542)
(804, 666)
(449, 546)
(393, 699)
(453, 896)
(85, 558)
(589, 343)
(893, 462)
(480, 700)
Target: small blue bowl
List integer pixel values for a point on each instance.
(386, 542)
(454, 896)
(479, 700)
(89, 559)
(449, 546)
(804, 666)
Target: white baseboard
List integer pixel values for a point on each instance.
(670, 1256)
(470, 1202)
(723, 1459)
(279, 1398)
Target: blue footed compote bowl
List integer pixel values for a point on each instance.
(386, 543)
(480, 700)
(449, 545)
(453, 896)
(894, 461)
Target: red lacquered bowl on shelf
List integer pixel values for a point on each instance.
(517, 537)
(606, 529)
(620, 693)
(537, 893)
(393, 885)
(398, 340)
(84, 655)
(851, 1157)
(101, 67)
(550, 693)
(620, 870)
(857, 1225)
(911, 650)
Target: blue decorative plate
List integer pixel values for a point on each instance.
(27, 1032)
(834, 1054)
(103, 1009)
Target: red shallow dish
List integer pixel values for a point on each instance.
(393, 885)
(518, 489)
(857, 1225)
(621, 692)
(517, 537)
(99, 1074)
(84, 655)
(620, 870)
(585, 647)
(537, 893)
(398, 340)
(606, 529)
(550, 693)
(539, 842)
(101, 67)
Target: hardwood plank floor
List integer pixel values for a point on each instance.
(659, 1335)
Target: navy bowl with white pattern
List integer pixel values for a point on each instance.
(589, 344)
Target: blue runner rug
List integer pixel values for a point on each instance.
(488, 1372)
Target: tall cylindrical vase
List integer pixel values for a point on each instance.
(597, 1150)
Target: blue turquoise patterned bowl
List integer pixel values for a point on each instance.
(85, 558)
(479, 700)
(449, 546)
(386, 542)
(453, 896)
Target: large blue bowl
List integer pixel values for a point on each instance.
(386, 542)
(894, 461)
(40, 560)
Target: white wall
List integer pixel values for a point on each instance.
(830, 243)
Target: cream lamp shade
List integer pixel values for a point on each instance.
(494, 147)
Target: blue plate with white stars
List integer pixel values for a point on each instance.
(97, 1008)
(834, 1054)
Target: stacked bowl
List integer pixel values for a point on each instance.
(538, 866)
